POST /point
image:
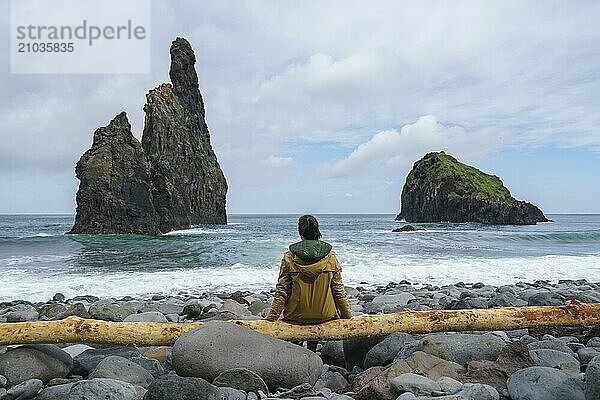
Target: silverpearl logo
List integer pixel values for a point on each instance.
(80, 36)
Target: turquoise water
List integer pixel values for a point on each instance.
(37, 259)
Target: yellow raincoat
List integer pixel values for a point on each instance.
(310, 288)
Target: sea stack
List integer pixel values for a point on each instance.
(114, 195)
(189, 187)
(439, 188)
(170, 181)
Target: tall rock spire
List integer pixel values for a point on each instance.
(189, 185)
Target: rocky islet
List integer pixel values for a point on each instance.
(439, 188)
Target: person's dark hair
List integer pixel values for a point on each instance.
(308, 227)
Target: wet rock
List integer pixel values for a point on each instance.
(407, 228)
(42, 362)
(241, 379)
(115, 367)
(228, 346)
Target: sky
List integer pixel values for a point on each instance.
(323, 106)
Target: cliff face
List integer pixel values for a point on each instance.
(189, 186)
(114, 194)
(440, 188)
(172, 180)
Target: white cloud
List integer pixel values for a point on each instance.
(397, 150)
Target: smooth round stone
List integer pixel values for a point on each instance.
(417, 384)
(102, 388)
(463, 347)
(115, 367)
(150, 316)
(478, 391)
(555, 359)
(40, 361)
(3, 381)
(218, 346)
(241, 379)
(87, 361)
(400, 299)
(544, 383)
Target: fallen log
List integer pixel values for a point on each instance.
(78, 330)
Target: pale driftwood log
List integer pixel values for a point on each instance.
(78, 330)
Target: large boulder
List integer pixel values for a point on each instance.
(41, 361)
(172, 386)
(188, 184)
(544, 383)
(114, 194)
(218, 346)
(440, 188)
(462, 347)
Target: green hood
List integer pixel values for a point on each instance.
(310, 251)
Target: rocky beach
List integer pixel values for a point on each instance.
(220, 360)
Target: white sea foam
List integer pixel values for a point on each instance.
(22, 284)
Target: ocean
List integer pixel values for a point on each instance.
(38, 260)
